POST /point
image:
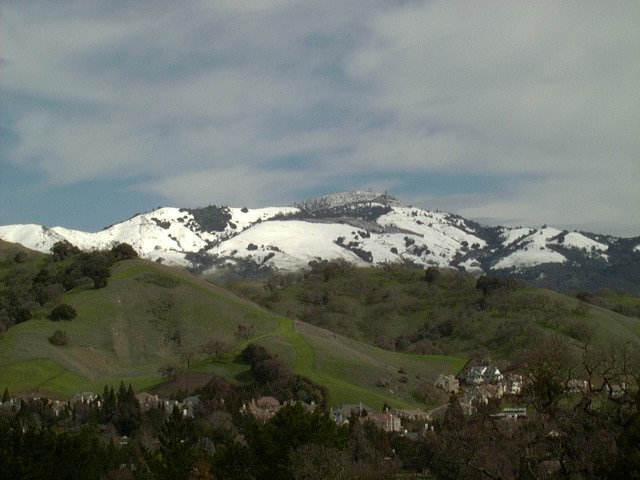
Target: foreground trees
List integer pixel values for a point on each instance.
(583, 422)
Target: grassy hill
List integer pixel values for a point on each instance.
(150, 316)
(371, 335)
(443, 312)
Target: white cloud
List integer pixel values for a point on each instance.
(234, 186)
(291, 97)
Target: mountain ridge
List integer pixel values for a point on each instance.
(365, 228)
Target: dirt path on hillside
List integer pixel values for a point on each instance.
(119, 335)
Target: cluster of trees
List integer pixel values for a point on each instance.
(295, 443)
(440, 311)
(586, 429)
(569, 433)
(34, 284)
(220, 441)
(273, 377)
(609, 300)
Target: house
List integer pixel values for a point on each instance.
(385, 421)
(513, 413)
(482, 374)
(342, 414)
(148, 401)
(309, 407)
(512, 385)
(412, 414)
(577, 386)
(84, 397)
(186, 407)
(263, 408)
(614, 390)
(448, 383)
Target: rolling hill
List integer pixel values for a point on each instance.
(374, 335)
(150, 316)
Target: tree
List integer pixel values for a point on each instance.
(128, 414)
(291, 428)
(216, 347)
(63, 312)
(490, 284)
(169, 371)
(254, 353)
(319, 462)
(63, 249)
(245, 332)
(108, 406)
(454, 415)
(431, 274)
(270, 371)
(88, 265)
(59, 338)
(549, 365)
(187, 358)
(124, 251)
(177, 457)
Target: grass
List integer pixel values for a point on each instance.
(127, 332)
(41, 376)
(121, 334)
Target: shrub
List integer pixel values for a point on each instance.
(254, 354)
(59, 338)
(431, 275)
(63, 312)
(124, 251)
(63, 249)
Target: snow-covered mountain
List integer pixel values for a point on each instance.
(361, 227)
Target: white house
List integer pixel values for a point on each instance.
(483, 374)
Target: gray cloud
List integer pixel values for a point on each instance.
(242, 102)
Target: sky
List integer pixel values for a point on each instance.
(507, 113)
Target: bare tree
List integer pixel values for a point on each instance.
(169, 371)
(187, 357)
(216, 348)
(245, 332)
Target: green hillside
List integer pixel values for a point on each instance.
(149, 316)
(440, 312)
(371, 335)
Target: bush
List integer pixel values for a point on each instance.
(59, 338)
(63, 249)
(254, 354)
(431, 275)
(94, 265)
(124, 251)
(63, 312)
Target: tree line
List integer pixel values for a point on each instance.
(588, 432)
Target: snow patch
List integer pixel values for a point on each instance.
(528, 258)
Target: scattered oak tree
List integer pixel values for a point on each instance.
(59, 338)
(63, 312)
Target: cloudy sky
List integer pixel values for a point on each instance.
(510, 113)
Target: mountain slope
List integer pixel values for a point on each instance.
(150, 316)
(362, 227)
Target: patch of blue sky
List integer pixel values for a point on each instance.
(87, 206)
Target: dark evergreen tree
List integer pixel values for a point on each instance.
(128, 414)
(272, 443)
(177, 457)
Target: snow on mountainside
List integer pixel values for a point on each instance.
(365, 228)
